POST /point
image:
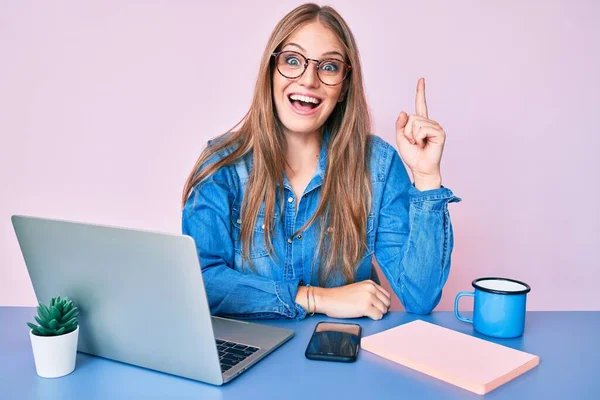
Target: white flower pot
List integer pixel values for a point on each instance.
(54, 356)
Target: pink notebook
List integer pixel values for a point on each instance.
(466, 361)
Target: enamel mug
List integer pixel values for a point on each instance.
(499, 307)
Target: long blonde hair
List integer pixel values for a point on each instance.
(346, 193)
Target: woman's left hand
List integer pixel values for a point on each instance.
(421, 143)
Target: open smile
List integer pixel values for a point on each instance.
(304, 105)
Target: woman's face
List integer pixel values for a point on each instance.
(313, 41)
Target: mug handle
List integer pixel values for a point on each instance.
(456, 314)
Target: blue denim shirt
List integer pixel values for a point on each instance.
(408, 231)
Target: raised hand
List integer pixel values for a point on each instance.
(421, 142)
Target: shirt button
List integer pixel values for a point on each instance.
(299, 236)
(290, 199)
(289, 240)
(239, 221)
(263, 226)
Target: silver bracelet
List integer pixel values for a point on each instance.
(307, 299)
(314, 302)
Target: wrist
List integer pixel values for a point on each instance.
(301, 297)
(427, 182)
(319, 299)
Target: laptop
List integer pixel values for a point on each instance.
(141, 299)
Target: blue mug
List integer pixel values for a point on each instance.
(499, 308)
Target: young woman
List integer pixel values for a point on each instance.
(288, 210)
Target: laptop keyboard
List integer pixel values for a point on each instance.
(232, 353)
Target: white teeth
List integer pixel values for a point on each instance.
(305, 99)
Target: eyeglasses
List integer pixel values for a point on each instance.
(292, 65)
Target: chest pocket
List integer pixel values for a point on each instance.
(259, 249)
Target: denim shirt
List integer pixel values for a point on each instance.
(408, 231)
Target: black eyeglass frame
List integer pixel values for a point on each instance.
(348, 66)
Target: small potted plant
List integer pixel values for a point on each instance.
(54, 340)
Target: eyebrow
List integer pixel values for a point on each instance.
(329, 53)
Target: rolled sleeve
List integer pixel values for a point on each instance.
(435, 199)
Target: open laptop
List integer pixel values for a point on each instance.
(141, 299)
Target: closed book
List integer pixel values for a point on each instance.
(471, 363)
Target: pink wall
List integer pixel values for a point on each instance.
(105, 106)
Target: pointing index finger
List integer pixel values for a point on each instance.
(420, 103)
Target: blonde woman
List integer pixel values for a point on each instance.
(288, 211)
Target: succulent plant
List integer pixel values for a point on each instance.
(58, 319)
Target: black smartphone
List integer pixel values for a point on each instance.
(334, 341)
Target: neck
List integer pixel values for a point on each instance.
(302, 149)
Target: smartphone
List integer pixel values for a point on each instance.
(334, 341)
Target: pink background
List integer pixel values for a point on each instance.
(105, 106)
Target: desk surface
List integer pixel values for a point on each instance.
(567, 343)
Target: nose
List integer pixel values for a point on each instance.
(310, 78)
